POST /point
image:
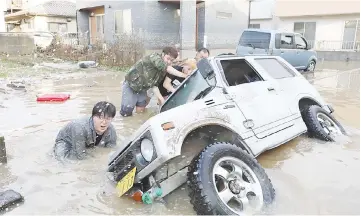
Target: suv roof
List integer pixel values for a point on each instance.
(269, 31)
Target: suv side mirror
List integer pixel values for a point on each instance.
(205, 68)
(308, 46)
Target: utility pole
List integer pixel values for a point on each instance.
(249, 12)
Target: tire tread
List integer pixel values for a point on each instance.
(201, 204)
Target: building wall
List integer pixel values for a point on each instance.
(329, 28)
(16, 43)
(265, 24)
(262, 9)
(2, 18)
(157, 22)
(225, 32)
(288, 8)
(41, 23)
(160, 22)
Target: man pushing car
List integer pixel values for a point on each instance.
(146, 74)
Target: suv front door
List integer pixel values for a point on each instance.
(303, 55)
(259, 99)
(285, 47)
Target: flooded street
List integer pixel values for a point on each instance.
(309, 176)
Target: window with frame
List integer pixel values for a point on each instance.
(351, 35)
(123, 21)
(275, 68)
(307, 30)
(286, 41)
(223, 15)
(55, 27)
(100, 24)
(255, 26)
(300, 43)
(238, 71)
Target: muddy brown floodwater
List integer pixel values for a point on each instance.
(310, 176)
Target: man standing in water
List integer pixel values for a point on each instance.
(146, 74)
(78, 135)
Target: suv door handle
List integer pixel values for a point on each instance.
(229, 106)
(270, 89)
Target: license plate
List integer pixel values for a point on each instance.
(126, 182)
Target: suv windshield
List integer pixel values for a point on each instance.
(255, 39)
(188, 91)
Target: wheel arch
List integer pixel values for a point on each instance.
(307, 101)
(209, 130)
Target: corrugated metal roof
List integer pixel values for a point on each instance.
(55, 8)
(49, 8)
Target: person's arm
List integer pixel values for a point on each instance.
(158, 94)
(78, 141)
(167, 84)
(175, 72)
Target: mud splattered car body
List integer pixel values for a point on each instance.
(230, 107)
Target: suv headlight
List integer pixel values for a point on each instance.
(147, 150)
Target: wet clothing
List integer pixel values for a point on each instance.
(78, 135)
(98, 138)
(131, 99)
(175, 81)
(144, 75)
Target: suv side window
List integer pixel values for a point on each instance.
(300, 42)
(275, 68)
(284, 41)
(238, 71)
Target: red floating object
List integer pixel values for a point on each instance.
(53, 97)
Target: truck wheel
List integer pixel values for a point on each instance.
(225, 180)
(321, 124)
(311, 66)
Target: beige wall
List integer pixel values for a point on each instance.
(292, 8)
(329, 28)
(265, 24)
(41, 23)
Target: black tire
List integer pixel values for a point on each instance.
(203, 195)
(309, 64)
(314, 127)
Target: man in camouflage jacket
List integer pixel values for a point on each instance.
(146, 74)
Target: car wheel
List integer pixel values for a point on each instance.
(225, 180)
(321, 124)
(311, 66)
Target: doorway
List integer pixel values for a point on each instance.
(96, 24)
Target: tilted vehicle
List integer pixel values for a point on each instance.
(211, 129)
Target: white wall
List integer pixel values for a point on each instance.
(262, 9)
(329, 28)
(41, 23)
(225, 32)
(265, 24)
(2, 18)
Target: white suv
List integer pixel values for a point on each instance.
(210, 130)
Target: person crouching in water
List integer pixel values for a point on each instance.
(77, 136)
(171, 82)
